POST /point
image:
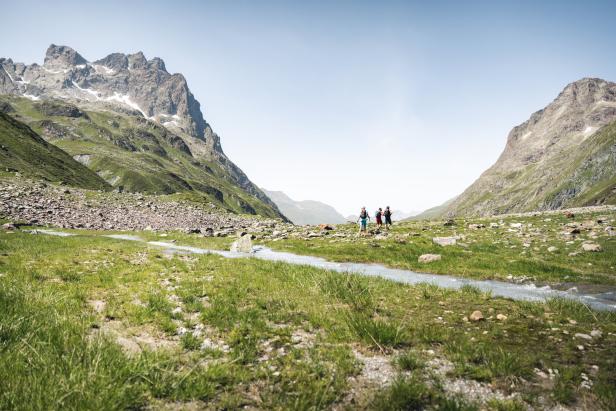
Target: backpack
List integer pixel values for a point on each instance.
(387, 213)
(363, 214)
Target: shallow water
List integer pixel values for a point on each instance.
(50, 232)
(600, 300)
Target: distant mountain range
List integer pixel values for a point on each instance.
(129, 121)
(563, 156)
(305, 212)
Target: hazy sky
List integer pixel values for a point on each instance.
(351, 103)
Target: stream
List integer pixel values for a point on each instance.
(598, 298)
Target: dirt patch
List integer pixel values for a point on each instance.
(303, 339)
(97, 305)
(376, 373)
(139, 258)
(161, 405)
(471, 390)
(135, 340)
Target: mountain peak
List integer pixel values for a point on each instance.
(62, 56)
(128, 80)
(157, 63)
(137, 60)
(588, 90)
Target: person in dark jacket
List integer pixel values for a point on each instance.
(379, 220)
(387, 214)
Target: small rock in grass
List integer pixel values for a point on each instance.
(583, 336)
(552, 249)
(476, 316)
(501, 317)
(596, 333)
(592, 247)
(9, 227)
(444, 241)
(428, 258)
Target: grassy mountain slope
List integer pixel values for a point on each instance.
(138, 155)
(582, 175)
(22, 150)
(434, 212)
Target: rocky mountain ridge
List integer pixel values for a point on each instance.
(563, 156)
(127, 80)
(139, 106)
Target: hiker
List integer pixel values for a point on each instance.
(379, 221)
(387, 214)
(363, 219)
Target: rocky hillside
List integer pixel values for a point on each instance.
(26, 201)
(132, 122)
(25, 152)
(563, 156)
(305, 212)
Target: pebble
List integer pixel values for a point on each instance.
(476, 316)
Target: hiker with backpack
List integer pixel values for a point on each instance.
(363, 220)
(387, 214)
(379, 221)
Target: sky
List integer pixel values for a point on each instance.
(351, 103)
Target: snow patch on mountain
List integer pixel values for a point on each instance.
(125, 99)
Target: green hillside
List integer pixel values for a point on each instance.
(583, 175)
(137, 155)
(22, 150)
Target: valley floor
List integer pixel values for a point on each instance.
(117, 324)
(539, 248)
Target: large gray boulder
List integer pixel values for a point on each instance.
(242, 244)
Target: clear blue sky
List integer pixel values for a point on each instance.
(351, 103)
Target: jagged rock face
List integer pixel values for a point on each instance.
(554, 159)
(62, 56)
(128, 81)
